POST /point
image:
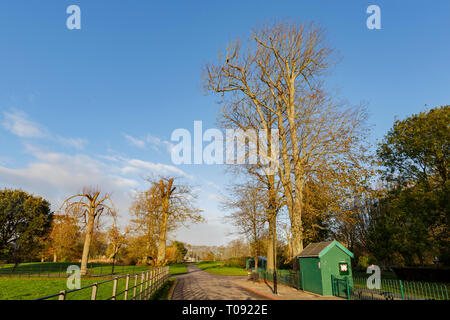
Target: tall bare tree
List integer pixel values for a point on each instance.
(280, 72)
(88, 205)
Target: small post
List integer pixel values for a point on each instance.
(152, 281)
(114, 288)
(94, 291)
(127, 281)
(135, 286)
(146, 285)
(141, 287)
(62, 295)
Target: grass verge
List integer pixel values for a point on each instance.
(216, 267)
(177, 268)
(165, 291)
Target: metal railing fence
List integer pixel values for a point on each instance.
(390, 289)
(287, 277)
(139, 286)
(58, 270)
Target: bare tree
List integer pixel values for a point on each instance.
(88, 205)
(164, 207)
(117, 239)
(247, 214)
(280, 73)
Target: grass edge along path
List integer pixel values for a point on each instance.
(165, 291)
(217, 267)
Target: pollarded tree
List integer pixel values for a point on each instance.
(25, 220)
(88, 205)
(165, 206)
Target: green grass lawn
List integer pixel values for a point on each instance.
(216, 267)
(24, 288)
(177, 268)
(29, 289)
(59, 268)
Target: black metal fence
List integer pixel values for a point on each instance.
(290, 278)
(390, 289)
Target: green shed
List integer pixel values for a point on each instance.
(320, 261)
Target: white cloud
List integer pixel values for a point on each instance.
(135, 141)
(19, 124)
(155, 167)
(57, 175)
(149, 141)
(157, 143)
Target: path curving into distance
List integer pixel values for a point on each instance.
(201, 285)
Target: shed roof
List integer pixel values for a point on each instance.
(318, 249)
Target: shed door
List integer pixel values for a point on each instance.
(311, 275)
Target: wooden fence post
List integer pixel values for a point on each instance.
(146, 286)
(94, 291)
(62, 295)
(135, 286)
(141, 287)
(151, 282)
(127, 281)
(114, 288)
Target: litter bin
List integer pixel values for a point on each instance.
(320, 262)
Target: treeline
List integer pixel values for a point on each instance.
(30, 231)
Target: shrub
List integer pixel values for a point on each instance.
(238, 262)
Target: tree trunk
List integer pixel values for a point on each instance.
(271, 255)
(55, 257)
(87, 243)
(162, 241)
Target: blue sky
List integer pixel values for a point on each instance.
(98, 105)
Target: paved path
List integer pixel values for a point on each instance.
(284, 292)
(201, 285)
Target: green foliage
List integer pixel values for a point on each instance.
(26, 221)
(417, 148)
(363, 261)
(237, 262)
(410, 223)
